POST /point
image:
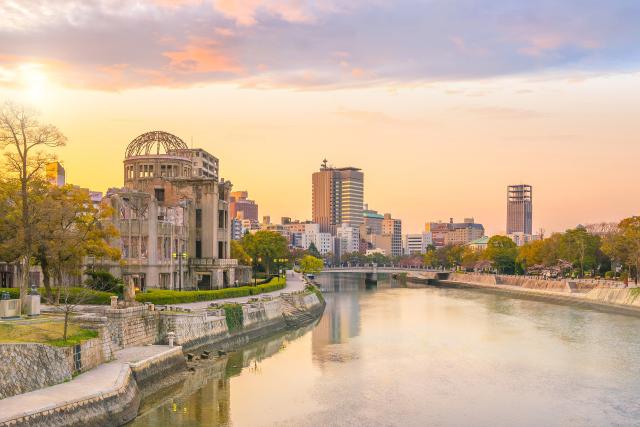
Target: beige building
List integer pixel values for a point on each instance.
(393, 227)
(337, 197)
(173, 217)
(454, 233)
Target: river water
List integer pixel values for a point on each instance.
(388, 355)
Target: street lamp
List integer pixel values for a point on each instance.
(255, 269)
(279, 261)
(179, 257)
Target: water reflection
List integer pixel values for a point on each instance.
(428, 356)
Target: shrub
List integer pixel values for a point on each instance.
(102, 280)
(234, 316)
(315, 290)
(83, 295)
(609, 275)
(168, 297)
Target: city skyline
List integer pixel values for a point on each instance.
(441, 116)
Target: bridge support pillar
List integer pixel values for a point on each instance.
(371, 278)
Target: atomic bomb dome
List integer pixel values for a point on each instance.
(155, 143)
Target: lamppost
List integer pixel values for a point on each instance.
(255, 269)
(179, 257)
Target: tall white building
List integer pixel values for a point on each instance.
(322, 241)
(347, 239)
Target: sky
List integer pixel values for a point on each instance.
(442, 103)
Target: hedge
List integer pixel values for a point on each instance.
(161, 296)
(87, 296)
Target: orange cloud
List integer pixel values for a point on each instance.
(202, 56)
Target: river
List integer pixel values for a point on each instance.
(389, 355)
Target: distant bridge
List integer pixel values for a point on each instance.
(374, 269)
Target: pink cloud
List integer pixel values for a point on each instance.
(244, 11)
(202, 55)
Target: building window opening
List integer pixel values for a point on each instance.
(159, 194)
(198, 218)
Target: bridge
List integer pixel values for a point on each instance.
(372, 270)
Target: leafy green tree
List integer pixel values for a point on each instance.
(502, 252)
(265, 246)
(23, 137)
(430, 258)
(238, 252)
(311, 265)
(354, 258)
(71, 228)
(313, 251)
(470, 257)
(624, 245)
(377, 258)
(580, 248)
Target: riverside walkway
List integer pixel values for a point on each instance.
(295, 283)
(96, 384)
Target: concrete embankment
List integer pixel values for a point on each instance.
(110, 394)
(613, 300)
(260, 318)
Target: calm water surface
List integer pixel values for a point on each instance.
(389, 355)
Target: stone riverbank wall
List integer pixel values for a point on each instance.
(34, 366)
(113, 406)
(260, 317)
(612, 299)
(30, 366)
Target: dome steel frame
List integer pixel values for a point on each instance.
(154, 143)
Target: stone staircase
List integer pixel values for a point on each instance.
(294, 315)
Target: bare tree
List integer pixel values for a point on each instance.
(21, 136)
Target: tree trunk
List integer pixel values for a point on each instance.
(66, 324)
(46, 274)
(24, 286)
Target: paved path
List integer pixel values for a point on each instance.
(294, 284)
(92, 384)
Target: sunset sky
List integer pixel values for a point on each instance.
(442, 103)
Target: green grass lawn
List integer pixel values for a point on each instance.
(47, 332)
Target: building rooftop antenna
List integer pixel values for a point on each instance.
(324, 164)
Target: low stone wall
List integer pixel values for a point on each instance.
(532, 283)
(191, 328)
(485, 279)
(28, 367)
(91, 355)
(154, 372)
(261, 312)
(132, 326)
(99, 324)
(624, 297)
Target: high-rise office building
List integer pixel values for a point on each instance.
(337, 197)
(393, 227)
(519, 209)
